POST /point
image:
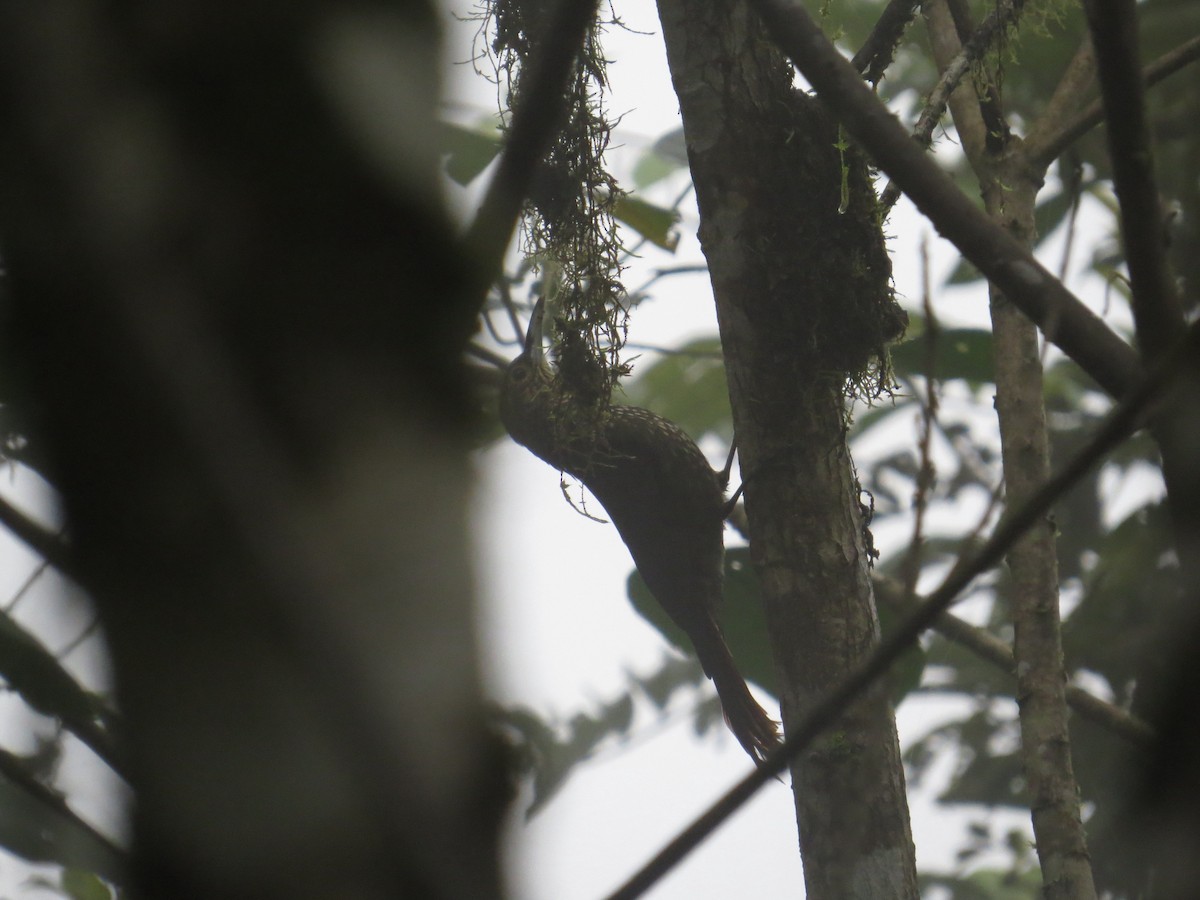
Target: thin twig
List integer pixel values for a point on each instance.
(935, 107)
(1124, 419)
(487, 355)
(75, 643)
(676, 351)
(29, 582)
(877, 52)
(929, 413)
(37, 675)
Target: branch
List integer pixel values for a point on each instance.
(1125, 418)
(87, 847)
(44, 543)
(965, 108)
(953, 74)
(32, 671)
(1047, 148)
(878, 50)
(1081, 334)
(1074, 83)
(539, 113)
(1157, 310)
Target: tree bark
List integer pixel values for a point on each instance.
(803, 303)
(1010, 185)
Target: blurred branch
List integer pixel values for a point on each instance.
(14, 769)
(34, 672)
(1044, 149)
(45, 543)
(877, 52)
(487, 355)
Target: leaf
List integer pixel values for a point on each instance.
(1052, 208)
(468, 151)
(666, 157)
(865, 418)
(80, 885)
(964, 353)
(992, 780)
(964, 273)
(655, 223)
(986, 884)
(689, 388)
(740, 615)
(1114, 624)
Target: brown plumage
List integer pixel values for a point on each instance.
(665, 500)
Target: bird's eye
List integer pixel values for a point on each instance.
(518, 374)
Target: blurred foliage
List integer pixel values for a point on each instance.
(546, 754)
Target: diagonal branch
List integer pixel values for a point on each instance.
(1125, 418)
(44, 543)
(1081, 334)
(1076, 79)
(877, 51)
(79, 840)
(33, 672)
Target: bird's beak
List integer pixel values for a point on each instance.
(533, 335)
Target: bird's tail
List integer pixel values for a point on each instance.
(756, 731)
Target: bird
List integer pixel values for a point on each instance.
(666, 501)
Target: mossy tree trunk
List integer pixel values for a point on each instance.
(801, 279)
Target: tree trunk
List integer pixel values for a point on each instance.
(220, 315)
(801, 281)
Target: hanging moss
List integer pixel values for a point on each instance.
(568, 216)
